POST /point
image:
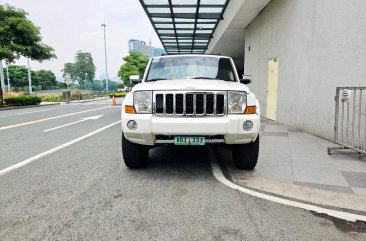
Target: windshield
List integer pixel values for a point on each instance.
(191, 67)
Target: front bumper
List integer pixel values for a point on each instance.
(150, 126)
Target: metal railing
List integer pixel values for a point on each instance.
(350, 119)
(68, 96)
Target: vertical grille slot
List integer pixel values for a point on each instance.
(199, 104)
(189, 104)
(179, 104)
(159, 104)
(169, 104)
(209, 104)
(220, 103)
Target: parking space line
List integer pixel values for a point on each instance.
(53, 150)
(334, 213)
(50, 118)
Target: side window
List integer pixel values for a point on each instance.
(225, 70)
(231, 76)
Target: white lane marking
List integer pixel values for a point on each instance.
(334, 213)
(75, 122)
(58, 127)
(31, 112)
(50, 118)
(46, 153)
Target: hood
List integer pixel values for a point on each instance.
(190, 85)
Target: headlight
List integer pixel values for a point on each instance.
(142, 101)
(237, 102)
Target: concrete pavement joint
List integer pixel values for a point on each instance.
(46, 153)
(334, 213)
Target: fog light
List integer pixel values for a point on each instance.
(248, 125)
(132, 125)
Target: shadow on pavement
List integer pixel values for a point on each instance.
(179, 158)
(172, 164)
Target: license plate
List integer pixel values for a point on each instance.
(189, 141)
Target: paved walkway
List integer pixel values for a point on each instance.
(290, 155)
(296, 165)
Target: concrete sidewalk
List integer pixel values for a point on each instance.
(295, 164)
(290, 155)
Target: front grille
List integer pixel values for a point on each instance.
(190, 104)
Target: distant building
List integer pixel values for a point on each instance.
(138, 45)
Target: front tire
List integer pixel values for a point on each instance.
(246, 155)
(134, 155)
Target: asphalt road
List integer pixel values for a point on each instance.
(84, 191)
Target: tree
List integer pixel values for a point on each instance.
(61, 85)
(135, 64)
(44, 78)
(69, 69)
(112, 85)
(18, 76)
(120, 86)
(20, 37)
(83, 70)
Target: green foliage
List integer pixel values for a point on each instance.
(20, 37)
(135, 64)
(44, 78)
(97, 85)
(120, 86)
(117, 94)
(76, 96)
(18, 76)
(101, 84)
(69, 69)
(61, 85)
(23, 100)
(112, 85)
(51, 98)
(82, 96)
(83, 70)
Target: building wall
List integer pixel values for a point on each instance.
(321, 44)
(138, 45)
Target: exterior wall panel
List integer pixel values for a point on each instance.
(321, 45)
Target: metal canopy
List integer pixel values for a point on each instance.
(184, 26)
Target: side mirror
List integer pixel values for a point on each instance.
(135, 79)
(245, 81)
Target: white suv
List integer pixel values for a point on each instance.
(190, 100)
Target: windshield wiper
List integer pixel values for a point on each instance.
(202, 78)
(156, 79)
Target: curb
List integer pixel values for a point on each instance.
(26, 106)
(344, 214)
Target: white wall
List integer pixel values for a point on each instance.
(321, 44)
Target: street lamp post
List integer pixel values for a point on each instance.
(29, 78)
(105, 57)
(7, 75)
(2, 79)
(85, 80)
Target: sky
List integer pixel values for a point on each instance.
(72, 25)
